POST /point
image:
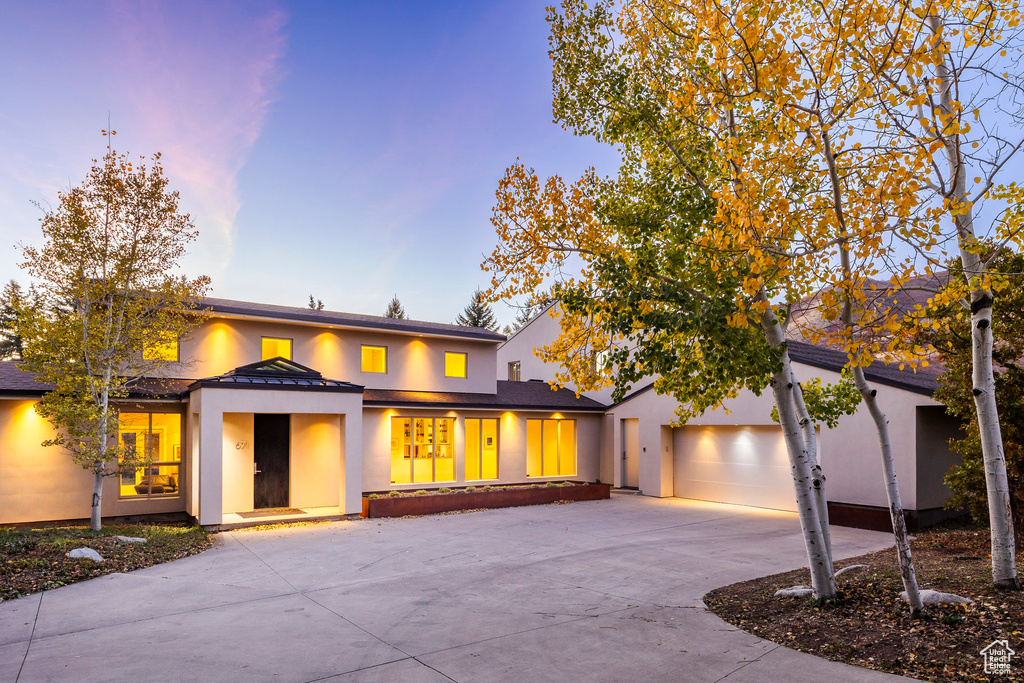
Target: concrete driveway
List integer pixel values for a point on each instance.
(599, 591)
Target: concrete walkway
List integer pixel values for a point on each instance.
(599, 591)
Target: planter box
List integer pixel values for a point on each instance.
(434, 503)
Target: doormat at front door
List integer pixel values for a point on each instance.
(271, 512)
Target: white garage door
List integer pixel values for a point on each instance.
(743, 465)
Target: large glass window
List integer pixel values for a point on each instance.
(422, 449)
(275, 347)
(375, 359)
(550, 448)
(151, 454)
(481, 449)
(454, 364)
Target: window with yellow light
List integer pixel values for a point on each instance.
(550, 448)
(276, 347)
(150, 457)
(454, 364)
(422, 450)
(163, 350)
(481, 449)
(375, 359)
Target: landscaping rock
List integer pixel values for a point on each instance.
(794, 592)
(87, 553)
(930, 597)
(130, 539)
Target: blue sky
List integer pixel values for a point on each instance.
(346, 149)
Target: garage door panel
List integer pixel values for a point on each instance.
(744, 465)
(742, 474)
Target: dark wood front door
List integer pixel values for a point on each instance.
(271, 441)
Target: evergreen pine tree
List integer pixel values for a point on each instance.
(11, 300)
(315, 304)
(478, 314)
(395, 309)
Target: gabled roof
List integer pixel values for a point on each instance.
(529, 322)
(229, 308)
(276, 373)
(923, 381)
(510, 396)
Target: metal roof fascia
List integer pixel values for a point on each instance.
(477, 406)
(334, 325)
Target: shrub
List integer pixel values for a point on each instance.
(550, 484)
(568, 483)
(470, 488)
(486, 488)
(421, 492)
(373, 496)
(444, 489)
(395, 494)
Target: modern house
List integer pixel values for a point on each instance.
(737, 454)
(271, 407)
(268, 409)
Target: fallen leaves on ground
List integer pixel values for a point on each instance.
(33, 560)
(870, 626)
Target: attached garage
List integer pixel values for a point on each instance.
(743, 465)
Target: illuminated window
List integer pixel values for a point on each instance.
(550, 448)
(162, 350)
(481, 449)
(274, 347)
(513, 371)
(454, 364)
(422, 450)
(150, 457)
(375, 359)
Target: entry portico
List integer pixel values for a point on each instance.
(324, 425)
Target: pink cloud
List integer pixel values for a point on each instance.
(201, 78)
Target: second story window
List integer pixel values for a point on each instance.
(454, 364)
(375, 359)
(513, 371)
(274, 347)
(166, 350)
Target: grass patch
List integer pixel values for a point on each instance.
(33, 560)
(869, 626)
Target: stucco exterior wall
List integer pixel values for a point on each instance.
(540, 332)
(316, 457)
(511, 446)
(414, 363)
(934, 457)
(37, 483)
(238, 456)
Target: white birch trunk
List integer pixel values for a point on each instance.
(819, 560)
(99, 472)
(892, 491)
(95, 519)
(817, 475)
(1004, 560)
(1004, 565)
